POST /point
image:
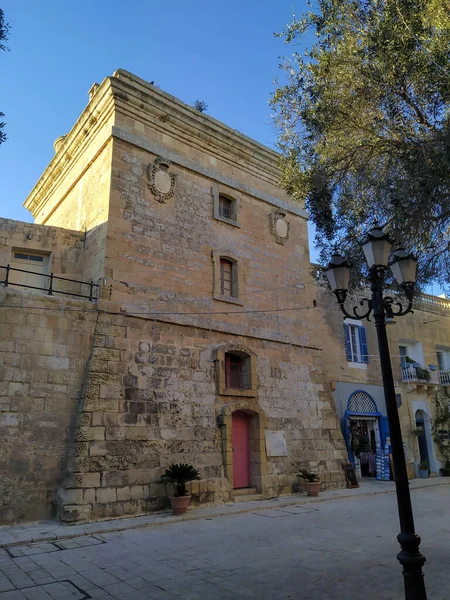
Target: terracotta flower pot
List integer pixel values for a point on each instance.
(312, 488)
(179, 504)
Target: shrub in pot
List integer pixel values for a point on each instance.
(424, 469)
(312, 482)
(445, 471)
(423, 374)
(178, 475)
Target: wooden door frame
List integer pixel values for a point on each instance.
(241, 416)
(256, 446)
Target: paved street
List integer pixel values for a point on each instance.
(342, 549)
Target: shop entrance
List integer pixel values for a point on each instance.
(422, 437)
(366, 432)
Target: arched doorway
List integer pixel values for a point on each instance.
(422, 437)
(240, 443)
(425, 444)
(365, 432)
(242, 425)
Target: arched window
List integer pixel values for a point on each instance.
(225, 204)
(237, 371)
(361, 402)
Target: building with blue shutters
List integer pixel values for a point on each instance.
(420, 355)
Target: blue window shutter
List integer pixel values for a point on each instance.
(348, 348)
(384, 431)
(363, 344)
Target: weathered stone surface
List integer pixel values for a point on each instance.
(137, 373)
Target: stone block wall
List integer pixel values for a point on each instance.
(65, 246)
(44, 348)
(151, 400)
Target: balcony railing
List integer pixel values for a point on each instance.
(81, 289)
(412, 374)
(444, 377)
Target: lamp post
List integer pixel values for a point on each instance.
(376, 248)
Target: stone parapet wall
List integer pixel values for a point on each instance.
(44, 348)
(65, 245)
(97, 405)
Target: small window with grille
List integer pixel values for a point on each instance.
(237, 371)
(226, 207)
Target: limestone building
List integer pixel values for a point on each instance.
(172, 318)
(420, 352)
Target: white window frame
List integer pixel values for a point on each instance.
(358, 364)
(445, 354)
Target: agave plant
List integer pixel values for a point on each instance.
(308, 475)
(178, 475)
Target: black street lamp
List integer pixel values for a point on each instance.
(376, 248)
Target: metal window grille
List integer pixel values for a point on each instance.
(225, 207)
(361, 402)
(233, 371)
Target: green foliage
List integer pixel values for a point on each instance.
(4, 32)
(178, 475)
(442, 422)
(200, 105)
(364, 126)
(308, 475)
(423, 374)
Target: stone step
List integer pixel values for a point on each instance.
(247, 497)
(243, 491)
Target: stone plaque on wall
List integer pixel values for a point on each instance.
(276, 443)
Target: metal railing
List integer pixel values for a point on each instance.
(410, 375)
(93, 288)
(444, 377)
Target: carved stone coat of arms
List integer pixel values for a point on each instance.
(161, 180)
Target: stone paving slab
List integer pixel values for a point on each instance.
(48, 531)
(329, 550)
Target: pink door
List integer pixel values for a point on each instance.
(239, 437)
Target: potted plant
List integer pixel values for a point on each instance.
(312, 482)
(411, 362)
(178, 475)
(423, 374)
(445, 471)
(424, 469)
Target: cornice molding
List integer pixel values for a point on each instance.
(128, 95)
(80, 136)
(145, 143)
(168, 114)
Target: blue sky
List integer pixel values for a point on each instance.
(221, 52)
